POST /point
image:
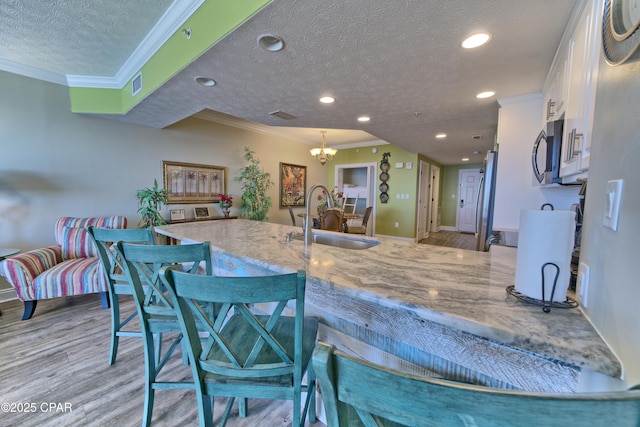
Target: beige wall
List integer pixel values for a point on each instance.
(54, 162)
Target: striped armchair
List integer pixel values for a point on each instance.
(71, 267)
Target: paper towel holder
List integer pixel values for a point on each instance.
(546, 305)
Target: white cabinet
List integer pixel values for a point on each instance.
(582, 55)
(555, 95)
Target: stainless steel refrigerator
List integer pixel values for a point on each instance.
(486, 197)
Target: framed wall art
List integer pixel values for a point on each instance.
(193, 183)
(177, 214)
(201, 212)
(293, 185)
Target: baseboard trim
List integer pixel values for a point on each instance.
(448, 228)
(405, 239)
(7, 295)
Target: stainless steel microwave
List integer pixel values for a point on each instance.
(545, 157)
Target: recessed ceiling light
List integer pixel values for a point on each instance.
(270, 42)
(327, 100)
(364, 118)
(465, 159)
(205, 81)
(487, 94)
(475, 40)
(441, 135)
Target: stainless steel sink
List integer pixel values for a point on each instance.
(340, 241)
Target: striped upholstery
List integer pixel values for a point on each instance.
(72, 277)
(60, 270)
(20, 270)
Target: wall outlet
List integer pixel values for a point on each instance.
(397, 224)
(583, 283)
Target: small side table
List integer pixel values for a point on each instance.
(7, 252)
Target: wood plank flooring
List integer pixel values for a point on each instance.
(451, 239)
(60, 357)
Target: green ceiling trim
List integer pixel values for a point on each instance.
(209, 24)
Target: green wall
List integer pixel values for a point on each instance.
(449, 192)
(209, 24)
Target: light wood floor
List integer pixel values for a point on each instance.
(451, 239)
(60, 356)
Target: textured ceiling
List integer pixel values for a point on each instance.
(76, 37)
(400, 62)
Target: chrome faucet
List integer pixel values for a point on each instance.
(307, 218)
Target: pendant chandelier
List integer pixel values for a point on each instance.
(323, 154)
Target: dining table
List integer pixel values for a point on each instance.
(314, 215)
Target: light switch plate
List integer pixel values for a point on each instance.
(584, 273)
(399, 165)
(612, 201)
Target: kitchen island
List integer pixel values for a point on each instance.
(442, 309)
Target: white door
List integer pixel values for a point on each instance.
(424, 195)
(435, 197)
(469, 185)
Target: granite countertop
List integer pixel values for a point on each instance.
(456, 288)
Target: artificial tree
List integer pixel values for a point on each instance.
(255, 201)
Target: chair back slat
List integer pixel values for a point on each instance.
(356, 392)
(105, 240)
(144, 264)
(264, 348)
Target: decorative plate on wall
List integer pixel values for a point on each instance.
(620, 30)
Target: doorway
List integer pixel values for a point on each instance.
(424, 201)
(360, 179)
(468, 188)
(435, 217)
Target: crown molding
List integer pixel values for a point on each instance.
(166, 26)
(34, 73)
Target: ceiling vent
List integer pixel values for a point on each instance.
(136, 84)
(282, 115)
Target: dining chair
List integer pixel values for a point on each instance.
(155, 307)
(362, 228)
(254, 347)
(117, 283)
(293, 217)
(356, 393)
(331, 220)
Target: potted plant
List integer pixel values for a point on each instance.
(226, 201)
(150, 201)
(255, 201)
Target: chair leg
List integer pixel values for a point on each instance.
(104, 298)
(242, 407)
(115, 321)
(150, 377)
(310, 403)
(29, 308)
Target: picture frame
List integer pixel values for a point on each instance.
(293, 185)
(201, 212)
(177, 215)
(192, 182)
